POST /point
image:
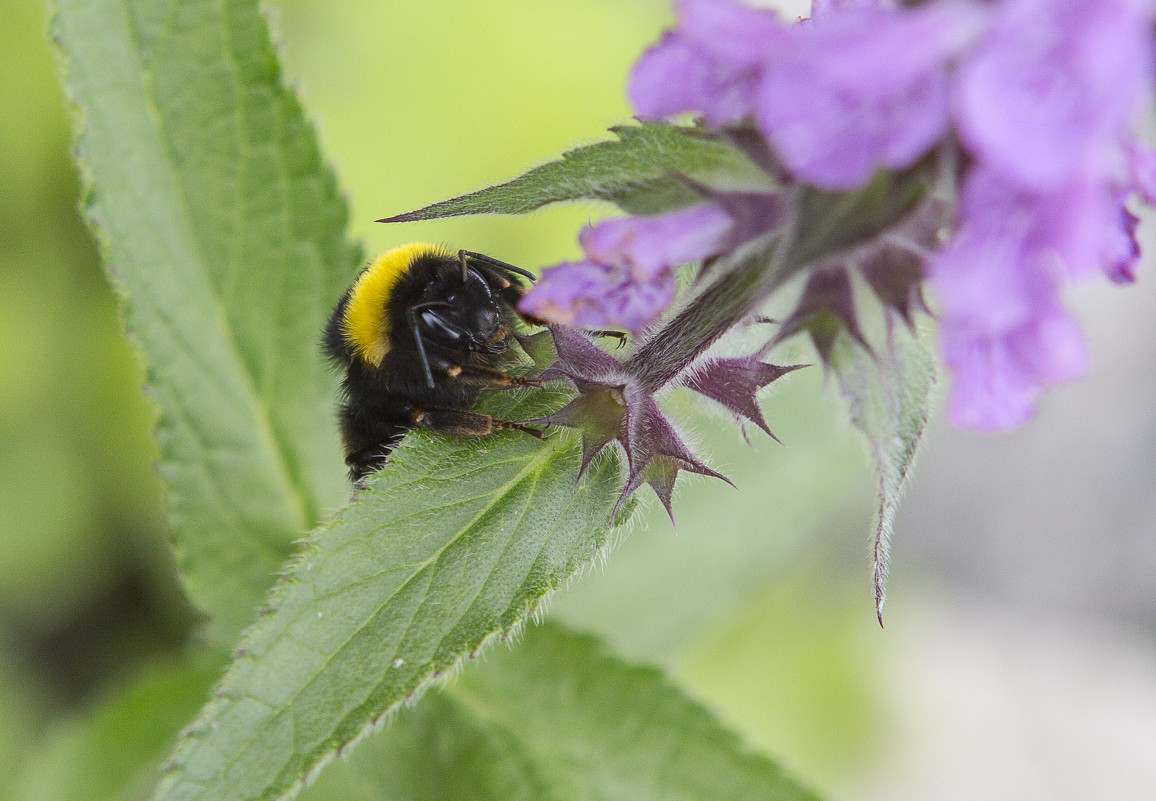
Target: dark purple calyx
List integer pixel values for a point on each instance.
(616, 405)
(826, 307)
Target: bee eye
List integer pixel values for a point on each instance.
(439, 328)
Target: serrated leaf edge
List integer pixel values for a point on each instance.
(440, 676)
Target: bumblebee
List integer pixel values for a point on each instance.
(418, 335)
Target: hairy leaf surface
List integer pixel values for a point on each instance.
(639, 172)
(560, 719)
(889, 398)
(224, 233)
(453, 543)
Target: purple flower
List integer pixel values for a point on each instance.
(999, 378)
(862, 88)
(646, 245)
(592, 295)
(1050, 91)
(710, 64)
(1121, 250)
(1039, 92)
(1073, 227)
(821, 8)
(627, 278)
(1141, 168)
(1043, 104)
(993, 276)
(1003, 331)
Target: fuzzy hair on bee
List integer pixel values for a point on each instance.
(419, 333)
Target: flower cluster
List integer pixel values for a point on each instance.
(1043, 105)
(1038, 94)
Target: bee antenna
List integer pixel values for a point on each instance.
(464, 255)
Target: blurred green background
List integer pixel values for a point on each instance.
(760, 603)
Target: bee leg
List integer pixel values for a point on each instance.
(366, 461)
(606, 332)
(464, 423)
(530, 319)
(473, 375)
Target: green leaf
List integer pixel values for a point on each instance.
(455, 543)
(636, 172)
(222, 230)
(560, 719)
(889, 397)
(111, 752)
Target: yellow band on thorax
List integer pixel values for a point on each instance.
(367, 325)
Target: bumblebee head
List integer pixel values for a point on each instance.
(421, 297)
(462, 312)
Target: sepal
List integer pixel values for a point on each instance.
(613, 405)
(826, 307)
(735, 383)
(896, 277)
